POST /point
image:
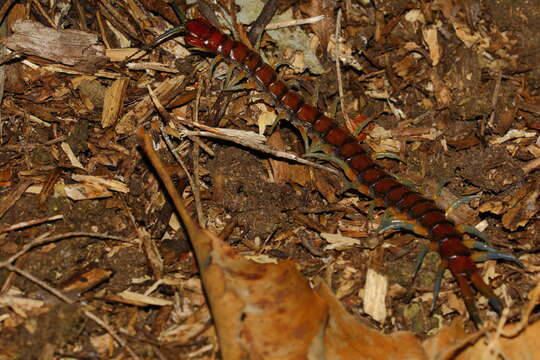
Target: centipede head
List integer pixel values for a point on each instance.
(199, 28)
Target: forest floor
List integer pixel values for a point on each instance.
(444, 94)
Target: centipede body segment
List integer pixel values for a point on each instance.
(381, 185)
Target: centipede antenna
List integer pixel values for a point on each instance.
(178, 12)
(458, 202)
(166, 35)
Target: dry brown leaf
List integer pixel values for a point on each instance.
(323, 28)
(345, 338)
(523, 211)
(523, 347)
(325, 185)
(267, 311)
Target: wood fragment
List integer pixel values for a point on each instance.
(165, 92)
(69, 47)
(85, 281)
(121, 54)
(151, 251)
(113, 102)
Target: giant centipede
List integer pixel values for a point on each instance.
(371, 178)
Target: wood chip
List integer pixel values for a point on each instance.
(375, 292)
(339, 242)
(71, 156)
(114, 99)
(110, 184)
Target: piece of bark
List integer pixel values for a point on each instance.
(69, 47)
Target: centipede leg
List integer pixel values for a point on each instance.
(420, 259)
(437, 284)
(398, 224)
(471, 230)
(486, 253)
(468, 294)
(485, 290)
(482, 256)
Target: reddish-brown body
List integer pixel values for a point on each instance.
(449, 242)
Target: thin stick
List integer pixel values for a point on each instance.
(494, 99)
(39, 282)
(259, 147)
(168, 118)
(5, 8)
(12, 276)
(283, 24)
(110, 330)
(68, 300)
(13, 197)
(338, 72)
(43, 240)
(44, 14)
(25, 224)
(176, 155)
(266, 14)
(189, 224)
(196, 182)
